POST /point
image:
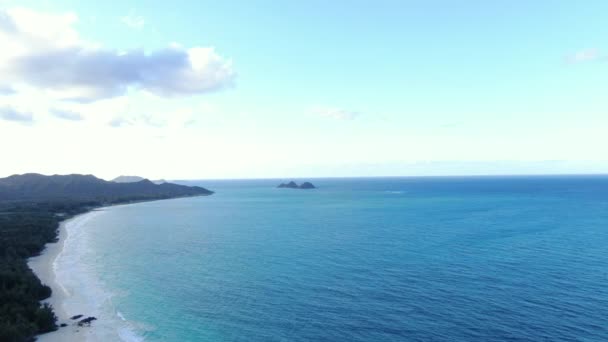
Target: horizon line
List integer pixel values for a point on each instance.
(400, 176)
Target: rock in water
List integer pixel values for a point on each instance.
(307, 185)
(86, 322)
(291, 185)
(294, 185)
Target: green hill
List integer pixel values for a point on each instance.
(33, 186)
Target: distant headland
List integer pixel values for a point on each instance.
(135, 179)
(33, 186)
(294, 185)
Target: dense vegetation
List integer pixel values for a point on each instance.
(25, 227)
(31, 207)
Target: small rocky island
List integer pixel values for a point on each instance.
(294, 185)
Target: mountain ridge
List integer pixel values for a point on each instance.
(76, 186)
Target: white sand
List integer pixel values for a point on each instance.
(77, 290)
(43, 267)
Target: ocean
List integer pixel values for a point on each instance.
(379, 259)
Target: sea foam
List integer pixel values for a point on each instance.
(84, 292)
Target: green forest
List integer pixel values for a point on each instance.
(25, 227)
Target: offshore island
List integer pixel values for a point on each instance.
(32, 208)
(294, 185)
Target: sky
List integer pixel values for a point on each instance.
(264, 89)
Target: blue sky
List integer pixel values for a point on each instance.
(323, 88)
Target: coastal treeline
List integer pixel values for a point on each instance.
(31, 207)
(25, 227)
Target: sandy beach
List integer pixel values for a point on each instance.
(44, 267)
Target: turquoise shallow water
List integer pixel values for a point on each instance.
(389, 259)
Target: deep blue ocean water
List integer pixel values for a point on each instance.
(385, 259)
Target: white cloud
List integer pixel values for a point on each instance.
(45, 52)
(65, 114)
(120, 122)
(11, 114)
(145, 120)
(584, 56)
(336, 113)
(6, 90)
(133, 21)
(152, 121)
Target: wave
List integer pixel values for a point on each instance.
(84, 292)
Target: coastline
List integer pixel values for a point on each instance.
(32, 210)
(43, 266)
(75, 290)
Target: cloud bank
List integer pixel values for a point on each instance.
(44, 51)
(6, 90)
(11, 114)
(120, 122)
(65, 114)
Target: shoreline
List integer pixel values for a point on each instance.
(75, 290)
(43, 267)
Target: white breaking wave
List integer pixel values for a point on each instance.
(84, 292)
